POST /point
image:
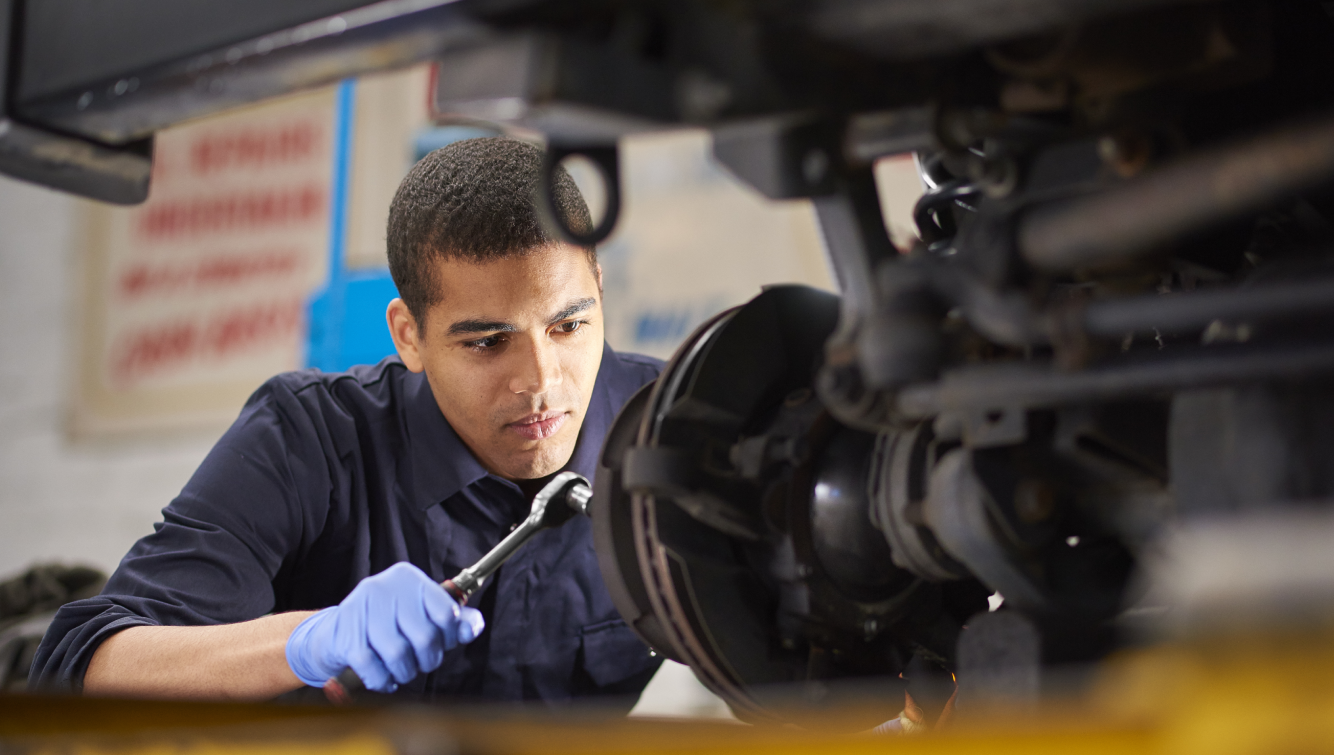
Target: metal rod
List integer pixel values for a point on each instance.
(1186, 312)
(1178, 199)
(471, 578)
(1038, 385)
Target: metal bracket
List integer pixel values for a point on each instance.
(607, 159)
(858, 244)
(785, 157)
(119, 175)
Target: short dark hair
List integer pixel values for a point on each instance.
(472, 200)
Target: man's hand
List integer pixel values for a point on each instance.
(390, 628)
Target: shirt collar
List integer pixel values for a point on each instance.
(597, 420)
(442, 465)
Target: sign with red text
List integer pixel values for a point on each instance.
(198, 295)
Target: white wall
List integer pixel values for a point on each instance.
(59, 501)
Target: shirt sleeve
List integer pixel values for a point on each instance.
(256, 501)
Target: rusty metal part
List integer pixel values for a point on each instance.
(1190, 47)
(1148, 213)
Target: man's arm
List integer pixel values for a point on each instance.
(390, 628)
(244, 661)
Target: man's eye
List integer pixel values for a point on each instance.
(570, 327)
(483, 344)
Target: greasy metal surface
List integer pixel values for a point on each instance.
(58, 161)
(1178, 198)
(957, 512)
(86, 40)
(854, 553)
(126, 105)
(898, 489)
(911, 29)
(73, 165)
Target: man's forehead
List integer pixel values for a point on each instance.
(557, 264)
(539, 285)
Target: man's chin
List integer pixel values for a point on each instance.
(545, 457)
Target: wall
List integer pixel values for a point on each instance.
(692, 240)
(58, 500)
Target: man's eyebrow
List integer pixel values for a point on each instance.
(468, 327)
(583, 305)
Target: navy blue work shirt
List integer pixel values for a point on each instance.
(327, 478)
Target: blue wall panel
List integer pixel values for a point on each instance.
(346, 318)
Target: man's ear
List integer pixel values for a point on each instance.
(597, 270)
(407, 338)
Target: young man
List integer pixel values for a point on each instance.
(314, 535)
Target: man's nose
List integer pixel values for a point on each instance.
(538, 370)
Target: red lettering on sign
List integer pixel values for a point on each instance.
(158, 349)
(212, 272)
(241, 329)
(173, 220)
(254, 148)
(149, 351)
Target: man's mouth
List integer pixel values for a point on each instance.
(539, 426)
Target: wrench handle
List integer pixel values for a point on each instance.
(570, 492)
(340, 689)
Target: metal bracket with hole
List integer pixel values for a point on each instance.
(607, 160)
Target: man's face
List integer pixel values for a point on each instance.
(511, 351)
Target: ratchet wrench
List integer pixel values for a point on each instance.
(566, 495)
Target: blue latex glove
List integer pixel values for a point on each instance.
(390, 628)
